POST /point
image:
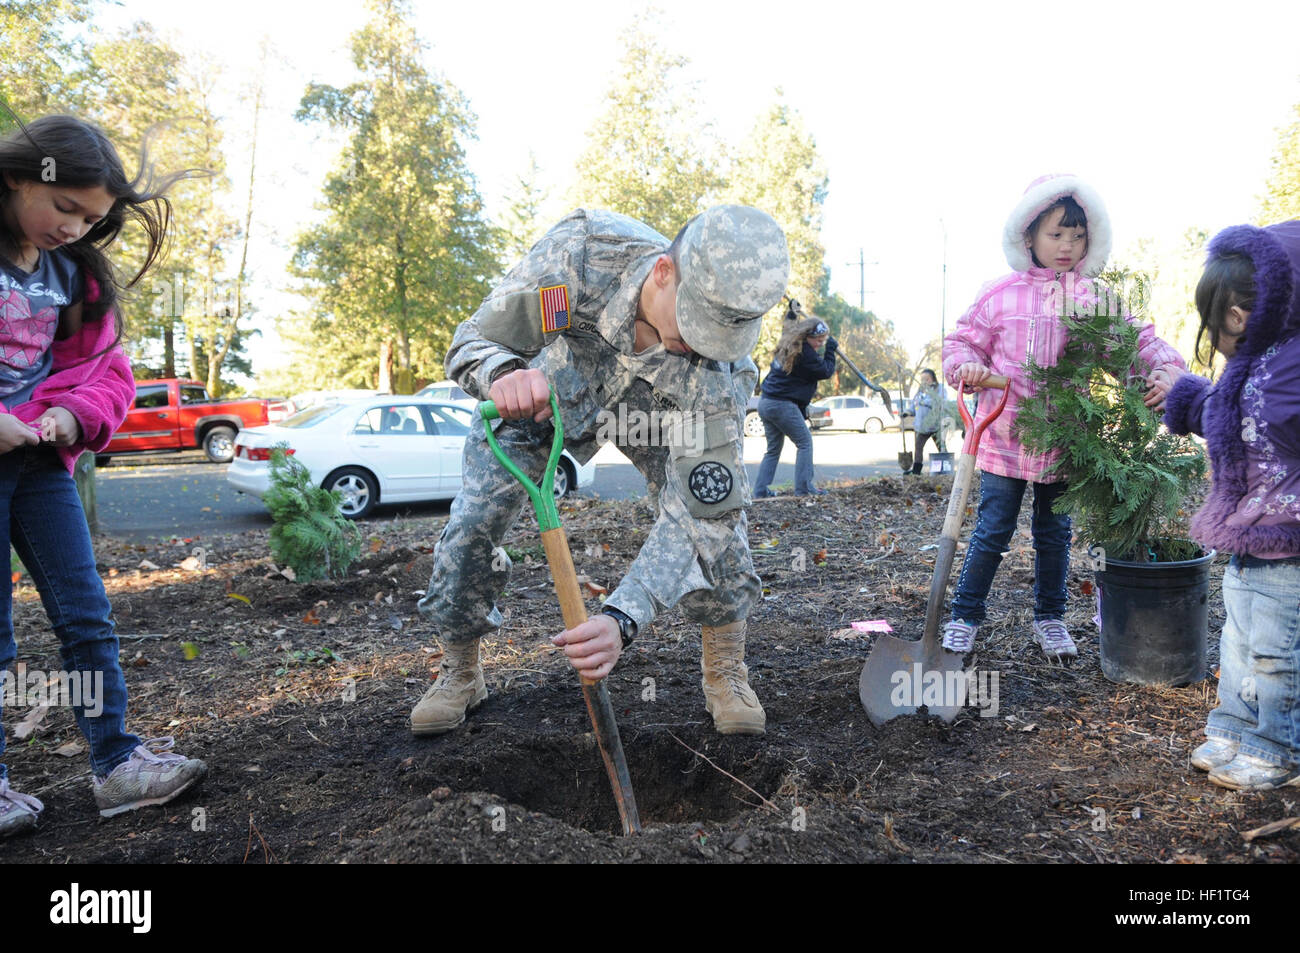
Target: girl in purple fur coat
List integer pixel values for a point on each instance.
(1249, 301)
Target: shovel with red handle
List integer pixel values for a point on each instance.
(901, 675)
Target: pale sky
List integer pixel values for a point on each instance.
(920, 112)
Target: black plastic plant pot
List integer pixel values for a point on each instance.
(1155, 620)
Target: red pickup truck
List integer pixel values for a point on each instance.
(177, 414)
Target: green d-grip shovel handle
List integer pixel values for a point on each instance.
(574, 611)
(543, 496)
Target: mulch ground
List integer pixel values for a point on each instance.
(297, 695)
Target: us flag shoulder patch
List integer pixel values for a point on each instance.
(555, 308)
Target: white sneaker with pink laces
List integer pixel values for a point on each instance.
(17, 811)
(959, 636)
(152, 775)
(1054, 639)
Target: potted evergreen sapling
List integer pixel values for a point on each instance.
(1128, 484)
(310, 535)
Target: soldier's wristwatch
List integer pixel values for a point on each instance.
(626, 624)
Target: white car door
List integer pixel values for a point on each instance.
(393, 440)
(450, 426)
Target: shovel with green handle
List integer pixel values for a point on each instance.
(565, 578)
(893, 662)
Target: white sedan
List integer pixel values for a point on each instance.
(858, 413)
(385, 449)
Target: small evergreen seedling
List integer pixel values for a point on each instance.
(310, 534)
(1128, 478)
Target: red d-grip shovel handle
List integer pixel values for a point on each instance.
(961, 483)
(975, 431)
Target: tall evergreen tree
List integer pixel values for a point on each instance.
(524, 222)
(42, 49)
(778, 170)
(143, 95)
(647, 153)
(1281, 201)
(405, 252)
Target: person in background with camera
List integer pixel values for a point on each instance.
(928, 412)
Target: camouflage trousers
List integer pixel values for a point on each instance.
(470, 569)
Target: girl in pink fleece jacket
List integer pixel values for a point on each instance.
(1057, 237)
(65, 387)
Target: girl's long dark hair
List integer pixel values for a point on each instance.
(1228, 281)
(71, 152)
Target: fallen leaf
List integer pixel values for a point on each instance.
(191, 651)
(311, 618)
(244, 599)
(191, 563)
(28, 725)
(1086, 587)
(288, 573)
(17, 576)
(594, 588)
(376, 544)
(145, 564)
(70, 750)
(820, 556)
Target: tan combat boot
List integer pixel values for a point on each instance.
(727, 695)
(459, 688)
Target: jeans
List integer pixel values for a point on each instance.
(781, 419)
(1259, 660)
(41, 515)
(920, 440)
(999, 507)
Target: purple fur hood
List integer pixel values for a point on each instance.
(1250, 418)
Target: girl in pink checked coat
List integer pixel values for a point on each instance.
(1057, 237)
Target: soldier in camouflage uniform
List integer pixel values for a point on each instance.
(609, 314)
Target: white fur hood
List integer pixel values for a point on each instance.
(1040, 195)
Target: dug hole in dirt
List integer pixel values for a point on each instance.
(297, 695)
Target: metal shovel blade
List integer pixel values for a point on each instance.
(901, 676)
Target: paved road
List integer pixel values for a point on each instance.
(183, 495)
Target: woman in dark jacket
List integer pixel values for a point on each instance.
(797, 367)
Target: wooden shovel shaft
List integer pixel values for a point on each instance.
(943, 560)
(956, 515)
(574, 610)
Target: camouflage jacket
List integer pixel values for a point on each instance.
(582, 338)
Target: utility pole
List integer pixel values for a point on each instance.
(943, 332)
(862, 278)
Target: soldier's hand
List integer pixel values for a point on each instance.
(592, 647)
(522, 393)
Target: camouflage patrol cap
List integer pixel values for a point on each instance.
(733, 269)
